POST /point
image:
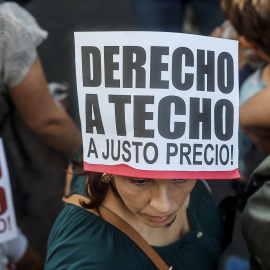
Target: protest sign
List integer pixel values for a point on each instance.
(8, 228)
(156, 104)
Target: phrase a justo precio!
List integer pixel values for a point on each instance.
(184, 153)
(207, 65)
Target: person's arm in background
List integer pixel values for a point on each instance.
(30, 261)
(38, 110)
(254, 119)
(17, 252)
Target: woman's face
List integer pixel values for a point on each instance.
(155, 202)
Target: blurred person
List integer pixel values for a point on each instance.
(252, 79)
(38, 136)
(254, 94)
(16, 254)
(254, 133)
(251, 20)
(169, 15)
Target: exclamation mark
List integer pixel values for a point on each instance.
(231, 154)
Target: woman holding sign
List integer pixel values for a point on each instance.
(139, 205)
(177, 217)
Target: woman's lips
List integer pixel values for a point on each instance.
(159, 219)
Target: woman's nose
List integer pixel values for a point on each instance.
(160, 201)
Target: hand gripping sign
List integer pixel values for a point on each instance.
(8, 228)
(158, 105)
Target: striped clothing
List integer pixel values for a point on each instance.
(19, 37)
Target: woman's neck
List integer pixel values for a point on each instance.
(154, 236)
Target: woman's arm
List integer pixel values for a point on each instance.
(41, 114)
(254, 117)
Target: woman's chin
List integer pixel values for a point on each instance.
(158, 222)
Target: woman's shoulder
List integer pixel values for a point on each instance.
(68, 241)
(81, 240)
(72, 221)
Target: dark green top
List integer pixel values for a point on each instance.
(81, 240)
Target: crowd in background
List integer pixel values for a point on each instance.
(40, 136)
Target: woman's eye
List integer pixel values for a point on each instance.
(139, 182)
(180, 181)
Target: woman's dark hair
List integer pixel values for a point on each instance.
(96, 190)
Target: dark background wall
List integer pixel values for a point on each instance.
(61, 18)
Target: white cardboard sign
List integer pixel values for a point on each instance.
(8, 228)
(162, 105)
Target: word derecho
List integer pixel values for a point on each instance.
(134, 59)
